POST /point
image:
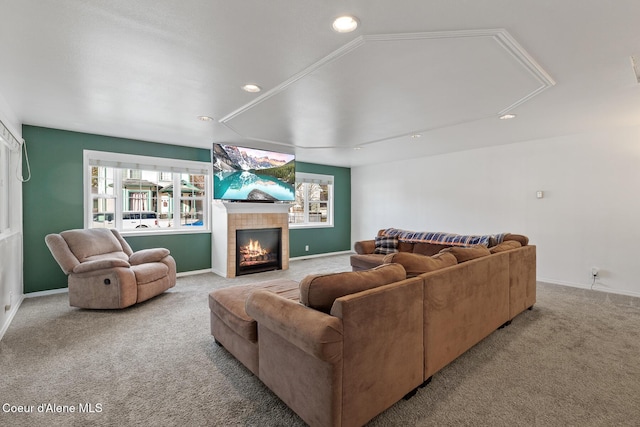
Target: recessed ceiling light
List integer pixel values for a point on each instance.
(507, 116)
(205, 118)
(416, 135)
(250, 87)
(357, 148)
(345, 24)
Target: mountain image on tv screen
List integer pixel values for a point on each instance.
(250, 174)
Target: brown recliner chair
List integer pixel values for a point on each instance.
(104, 273)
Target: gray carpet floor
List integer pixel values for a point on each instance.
(572, 360)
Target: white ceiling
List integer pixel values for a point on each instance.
(445, 69)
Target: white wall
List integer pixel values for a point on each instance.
(589, 216)
(11, 289)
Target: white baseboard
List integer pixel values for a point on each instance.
(320, 255)
(45, 293)
(194, 272)
(596, 287)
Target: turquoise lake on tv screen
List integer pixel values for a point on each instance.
(237, 186)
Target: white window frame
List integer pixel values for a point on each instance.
(314, 178)
(130, 161)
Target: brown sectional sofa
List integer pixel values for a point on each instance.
(341, 348)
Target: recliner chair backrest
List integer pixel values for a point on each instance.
(72, 247)
(87, 243)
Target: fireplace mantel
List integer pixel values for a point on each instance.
(230, 216)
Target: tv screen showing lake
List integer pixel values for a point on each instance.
(245, 185)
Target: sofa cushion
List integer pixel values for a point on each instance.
(467, 253)
(405, 246)
(110, 255)
(428, 249)
(507, 245)
(87, 243)
(415, 264)
(100, 264)
(319, 291)
(149, 272)
(228, 304)
(386, 245)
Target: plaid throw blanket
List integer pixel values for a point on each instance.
(444, 238)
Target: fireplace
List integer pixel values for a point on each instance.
(230, 217)
(258, 250)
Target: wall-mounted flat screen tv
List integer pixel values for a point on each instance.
(248, 174)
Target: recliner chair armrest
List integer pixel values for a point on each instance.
(100, 264)
(312, 331)
(148, 255)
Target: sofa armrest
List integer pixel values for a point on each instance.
(148, 255)
(100, 264)
(314, 332)
(365, 247)
(524, 240)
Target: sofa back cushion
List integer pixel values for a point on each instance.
(87, 243)
(428, 249)
(415, 264)
(319, 291)
(405, 246)
(467, 253)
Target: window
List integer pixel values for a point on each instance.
(10, 178)
(5, 165)
(145, 194)
(314, 201)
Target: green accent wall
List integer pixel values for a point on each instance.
(326, 240)
(53, 200)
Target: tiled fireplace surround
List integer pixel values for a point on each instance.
(229, 217)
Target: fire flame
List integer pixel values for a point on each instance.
(253, 254)
(254, 248)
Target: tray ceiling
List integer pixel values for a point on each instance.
(400, 78)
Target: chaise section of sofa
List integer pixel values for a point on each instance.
(344, 367)
(233, 328)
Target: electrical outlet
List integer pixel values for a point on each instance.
(595, 271)
(306, 248)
